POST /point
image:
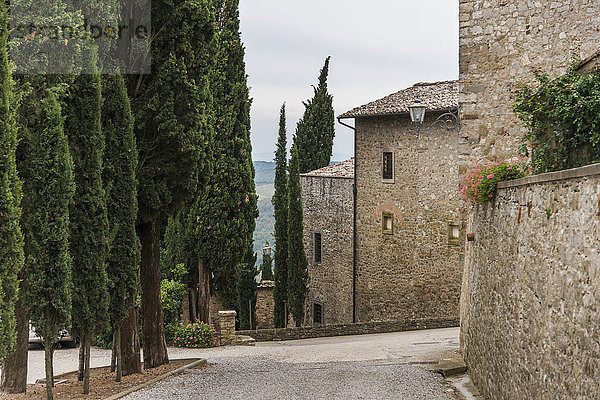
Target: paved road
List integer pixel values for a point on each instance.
(385, 366)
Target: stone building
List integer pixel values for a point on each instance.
(405, 219)
(327, 202)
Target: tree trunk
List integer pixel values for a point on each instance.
(129, 359)
(48, 360)
(117, 351)
(193, 304)
(14, 372)
(153, 330)
(86, 373)
(80, 368)
(203, 291)
(113, 353)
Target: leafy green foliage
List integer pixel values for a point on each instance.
(47, 171)
(11, 237)
(246, 290)
(120, 162)
(172, 123)
(297, 263)
(171, 293)
(280, 211)
(219, 224)
(316, 129)
(562, 116)
(88, 217)
(192, 335)
(478, 185)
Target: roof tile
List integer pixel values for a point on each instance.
(344, 169)
(436, 96)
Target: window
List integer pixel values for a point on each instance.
(453, 232)
(317, 313)
(318, 248)
(387, 166)
(387, 220)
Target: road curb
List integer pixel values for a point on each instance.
(177, 371)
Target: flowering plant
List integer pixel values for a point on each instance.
(479, 183)
(192, 335)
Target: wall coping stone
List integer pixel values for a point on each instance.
(227, 313)
(573, 173)
(359, 328)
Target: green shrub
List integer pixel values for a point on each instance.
(479, 183)
(191, 335)
(172, 293)
(562, 117)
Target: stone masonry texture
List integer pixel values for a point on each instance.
(532, 326)
(227, 327)
(503, 44)
(413, 272)
(265, 304)
(327, 203)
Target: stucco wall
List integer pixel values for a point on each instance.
(415, 272)
(532, 326)
(503, 43)
(328, 208)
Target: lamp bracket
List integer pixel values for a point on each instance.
(448, 120)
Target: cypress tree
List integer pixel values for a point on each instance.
(88, 222)
(220, 223)
(280, 211)
(48, 188)
(315, 130)
(11, 237)
(120, 162)
(246, 290)
(297, 264)
(267, 267)
(174, 135)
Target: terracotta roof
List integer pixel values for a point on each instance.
(436, 96)
(344, 169)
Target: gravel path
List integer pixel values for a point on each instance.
(351, 367)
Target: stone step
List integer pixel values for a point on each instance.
(243, 340)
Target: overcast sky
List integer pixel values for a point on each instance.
(377, 47)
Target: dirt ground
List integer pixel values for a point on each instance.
(102, 384)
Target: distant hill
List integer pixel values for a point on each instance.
(264, 172)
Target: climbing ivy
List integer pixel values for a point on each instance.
(562, 117)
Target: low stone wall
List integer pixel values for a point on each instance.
(361, 328)
(531, 311)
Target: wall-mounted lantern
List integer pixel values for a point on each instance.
(267, 250)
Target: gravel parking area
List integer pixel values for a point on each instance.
(382, 366)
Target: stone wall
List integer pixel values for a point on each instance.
(265, 305)
(413, 272)
(532, 326)
(503, 43)
(328, 209)
(361, 328)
